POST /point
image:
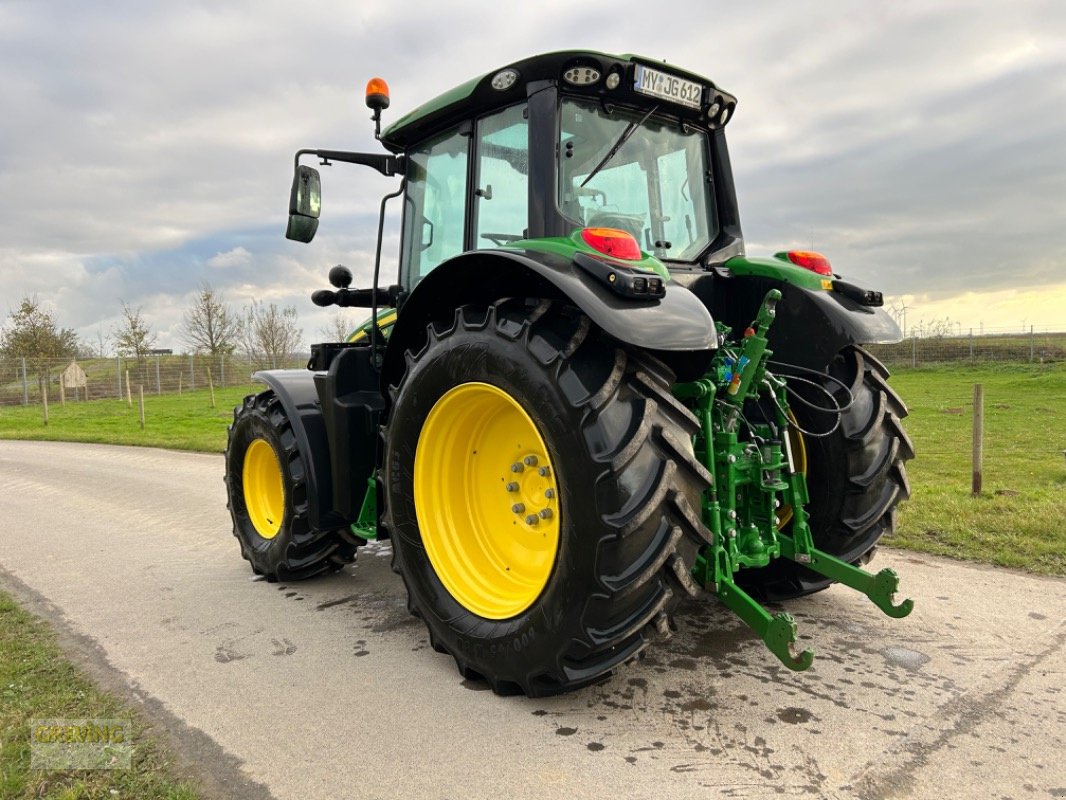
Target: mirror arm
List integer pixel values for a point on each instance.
(385, 164)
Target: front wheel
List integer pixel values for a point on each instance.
(267, 493)
(542, 496)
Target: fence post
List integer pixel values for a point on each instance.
(222, 370)
(25, 386)
(192, 373)
(63, 391)
(978, 438)
(44, 401)
(211, 385)
(118, 377)
(140, 402)
(971, 345)
(914, 351)
(129, 397)
(158, 386)
(1031, 345)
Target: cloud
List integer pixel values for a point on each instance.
(237, 257)
(147, 147)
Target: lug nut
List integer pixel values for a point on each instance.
(732, 514)
(549, 493)
(732, 533)
(518, 508)
(517, 467)
(512, 487)
(544, 472)
(532, 519)
(530, 461)
(545, 513)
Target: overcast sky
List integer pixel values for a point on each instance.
(147, 147)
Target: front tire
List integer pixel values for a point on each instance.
(267, 497)
(856, 476)
(624, 511)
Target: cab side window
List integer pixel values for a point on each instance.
(435, 204)
(501, 197)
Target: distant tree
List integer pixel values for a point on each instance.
(939, 328)
(210, 327)
(32, 333)
(269, 334)
(100, 351)
(133, 338)
(338, 328)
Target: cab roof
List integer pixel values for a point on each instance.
(477, 96)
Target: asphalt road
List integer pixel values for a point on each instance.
(328, 689)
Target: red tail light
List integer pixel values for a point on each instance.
(612, 242)
(815, 262)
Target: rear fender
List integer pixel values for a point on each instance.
(678, 327)
(811, 325)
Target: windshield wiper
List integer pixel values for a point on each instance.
(632, 126)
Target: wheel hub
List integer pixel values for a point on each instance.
(486, 500)
(264, 491)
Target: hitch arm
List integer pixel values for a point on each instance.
(880, 588)
(778, 631)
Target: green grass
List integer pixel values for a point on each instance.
(1019, 519)
(178, 422)
(37, 681)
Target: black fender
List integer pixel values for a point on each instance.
(678, 327)
(810, 327)
(296, 390)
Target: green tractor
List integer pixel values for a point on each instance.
(581, 401)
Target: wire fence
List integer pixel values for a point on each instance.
(971, 347)
(23, 381)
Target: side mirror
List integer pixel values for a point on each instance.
(305, 204)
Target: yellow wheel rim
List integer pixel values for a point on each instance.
(486, 500)
(264, 492)
(799, 456)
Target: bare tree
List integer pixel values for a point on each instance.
(269, 334)
(133, 338)
(101, 343)
(210, 327)
(338, 328)
(32, 333)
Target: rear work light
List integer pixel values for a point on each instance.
(815, 262)
(613, 242)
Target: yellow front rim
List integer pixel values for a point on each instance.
(486, 500)
(264, 492)
(799, 457)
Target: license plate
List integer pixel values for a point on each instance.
(668, 87)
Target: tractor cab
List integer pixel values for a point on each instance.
(565, 142)
(561, 143)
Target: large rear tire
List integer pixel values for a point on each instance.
(267, 497)
(855, 476)
(492, 396)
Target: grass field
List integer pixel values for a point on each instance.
(179, 422)
(1017, 522)
(37, 681)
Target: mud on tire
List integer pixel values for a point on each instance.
(297, 551)
(629, 494)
